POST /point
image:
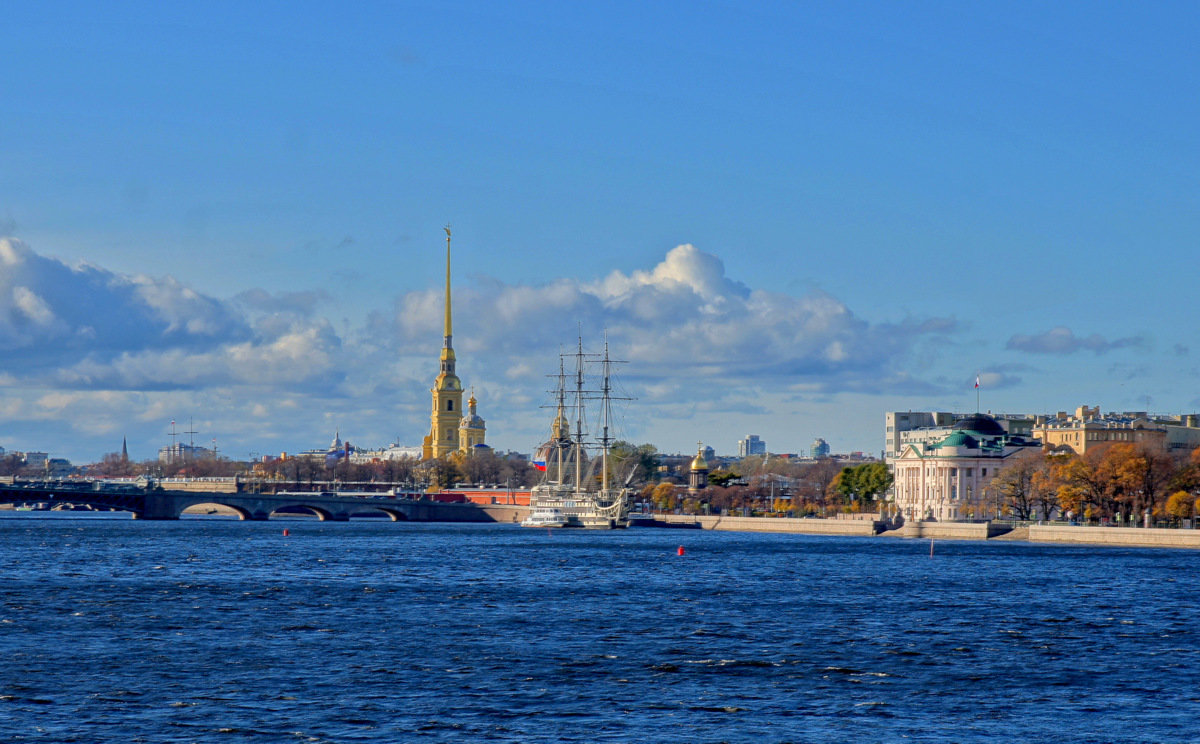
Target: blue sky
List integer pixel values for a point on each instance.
(790, 217)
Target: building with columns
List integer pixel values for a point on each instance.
(449, 430)
(946, 480)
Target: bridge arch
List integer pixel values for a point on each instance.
(395, 515)
(214, 508)
(323, 515)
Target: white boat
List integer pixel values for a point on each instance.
(577, 489)
(545, 517)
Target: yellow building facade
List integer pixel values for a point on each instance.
(1088, 428)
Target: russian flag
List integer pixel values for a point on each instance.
(540, 465)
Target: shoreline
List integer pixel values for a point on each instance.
(1044, 534)
(1041, 534)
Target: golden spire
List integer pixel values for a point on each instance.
(447, 379)
(448, 329)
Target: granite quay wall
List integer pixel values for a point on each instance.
(504, 513)
(769, 524)
(950, 530)
(1139, 537)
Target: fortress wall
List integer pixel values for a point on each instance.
(504, 513)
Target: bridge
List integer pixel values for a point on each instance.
(151, 501)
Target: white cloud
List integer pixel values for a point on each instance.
(1062, 340)
(32, 306)
(683, 319)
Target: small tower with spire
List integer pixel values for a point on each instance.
(473, 429)
(447, 414)
(698, 473)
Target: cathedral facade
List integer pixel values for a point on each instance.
(451, 429)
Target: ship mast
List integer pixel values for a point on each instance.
(560, 420)
(579, 416)
(605, 414)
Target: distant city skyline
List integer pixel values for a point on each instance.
(788, 219)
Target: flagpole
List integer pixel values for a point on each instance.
(977, 406)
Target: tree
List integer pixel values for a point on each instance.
(641, 458)
(1048, 484)
(481, 467)
(646, 495)
(442, 472)
(1134, 477)
(863, 482)
(112, 465)
(11, 465)
(664, 497)
(1180, 505)
(396, 470)
(722, 477)
(818, 479)
(1014, 488)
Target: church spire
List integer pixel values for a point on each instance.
(447, 413)
(447, 347)
(449, 330)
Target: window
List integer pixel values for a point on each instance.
(449, 405)
(953, 472)
(983, 471)
(967, 472)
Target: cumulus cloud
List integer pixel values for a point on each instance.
(1062, 340)
(53, 312)
(684, 318)
(83, 327)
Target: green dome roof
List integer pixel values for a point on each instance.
(959, 439)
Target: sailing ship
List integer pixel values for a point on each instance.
(578, 489)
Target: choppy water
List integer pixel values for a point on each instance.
(218, 631)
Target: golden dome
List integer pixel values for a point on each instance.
(699, 463)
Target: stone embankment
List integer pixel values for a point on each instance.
(1140, 537)
(1044, 533)
(769, 524)
(950, 530)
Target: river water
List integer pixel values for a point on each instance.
(210, 630)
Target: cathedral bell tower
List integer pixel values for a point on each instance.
(473, 428)
(447, 414)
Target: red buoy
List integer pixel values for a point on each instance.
(285, 532)
(680, 551)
